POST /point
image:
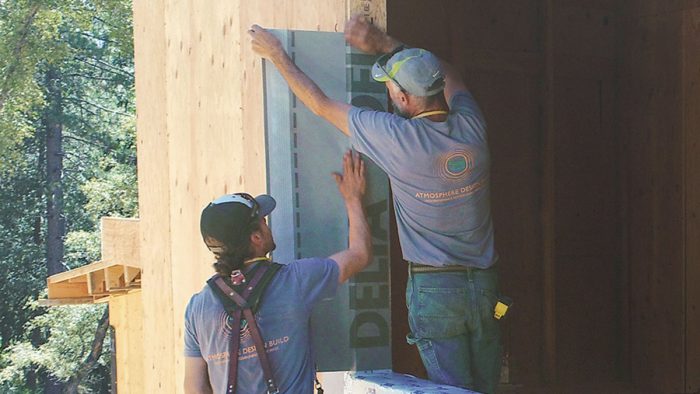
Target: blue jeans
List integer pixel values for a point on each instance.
(451, 319)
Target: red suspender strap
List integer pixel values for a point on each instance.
(260, 349)
(234, 344)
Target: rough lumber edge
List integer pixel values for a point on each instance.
(153, 147)
(66, 301)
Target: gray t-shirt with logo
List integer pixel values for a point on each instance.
(283, 319)
(439, 174)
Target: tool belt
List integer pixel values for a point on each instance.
(241, 298)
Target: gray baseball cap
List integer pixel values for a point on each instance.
(414, 70)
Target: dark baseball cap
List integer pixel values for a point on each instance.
(415, 70)
(227, 218)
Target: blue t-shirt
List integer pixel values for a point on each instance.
(283, 319)
(439, 174)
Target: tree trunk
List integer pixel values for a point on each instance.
(55, 221)
(95, 353)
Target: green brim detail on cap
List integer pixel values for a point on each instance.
(382, 78)
(378, 73)
(396, 66)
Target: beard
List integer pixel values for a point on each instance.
(398, 110)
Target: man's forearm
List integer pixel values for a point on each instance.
(360, 238)
(388, 44)
(311, 95)
(303, 87)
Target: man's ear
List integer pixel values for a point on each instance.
(256, 237)
(403, 96)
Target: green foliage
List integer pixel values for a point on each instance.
(87, 44)
(22, 266)
(71, 329)
(82, 247)
(88, 41)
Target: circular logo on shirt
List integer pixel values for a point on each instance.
(226, 324)
(456, 165)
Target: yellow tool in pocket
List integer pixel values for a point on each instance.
(501, 307)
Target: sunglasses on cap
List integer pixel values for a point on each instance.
(241, 198)
(383, 68)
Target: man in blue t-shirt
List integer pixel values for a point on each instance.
(434, 150)
(234, 229)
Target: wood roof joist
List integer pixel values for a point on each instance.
(118, 273)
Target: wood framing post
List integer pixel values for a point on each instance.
(374, 10)
(548, 198)
(691, 179)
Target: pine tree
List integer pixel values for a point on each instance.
(67, 157)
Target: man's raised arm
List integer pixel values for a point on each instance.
(363, 35)
(269, 47)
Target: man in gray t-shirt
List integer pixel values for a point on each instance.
(434, 150)
(234, 229)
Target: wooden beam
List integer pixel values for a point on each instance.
(120, 241)
(549, 199)
(114, 277)
(102, 299)
(493, 60)
(691, 145)
(113, 292)
(131, 275)
(374, 10)
(96, 282)
(67, 290)
(66, 301)
(76, 274)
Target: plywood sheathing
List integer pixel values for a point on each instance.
(153, 148)
(125, 316)
(200, 135)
